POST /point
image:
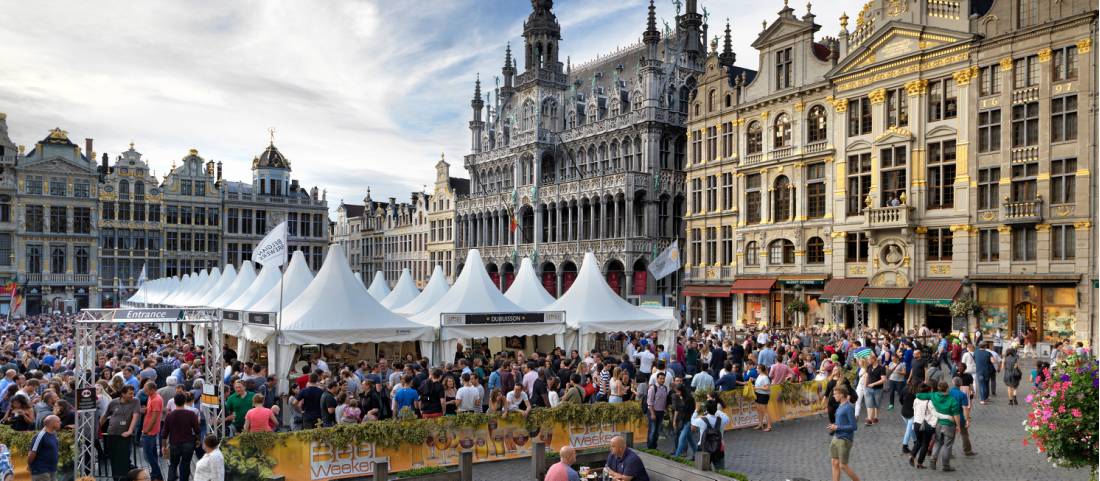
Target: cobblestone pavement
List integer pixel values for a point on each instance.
(799, 449)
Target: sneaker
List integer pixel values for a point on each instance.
(905, 449)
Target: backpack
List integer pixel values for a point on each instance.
(712, 437)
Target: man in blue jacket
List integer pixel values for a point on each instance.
(844, 431)
(983, 359)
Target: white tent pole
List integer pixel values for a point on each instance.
(279, 319)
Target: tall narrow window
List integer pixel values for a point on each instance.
(892, 167)
(781, 203)
(1023, 243)
(727, 191)
(1063, 118)
(1025, 71)
(1027, 13)
(782, 136)
(727, 139)
(859, 116)
(989, 180)
(712, 245)
(754, 140)
(1063, 240)
(856, 247)
(1065, 63)
(697, 146)
(859, 182)
(989, 80)
(942, 100)
(989, 245)
(815, 191)
(897, 107)
(696, 246)
(752, 199)
(712, 193)
(752, 254)
(940, 244)
(815, 251)
(989, 130)
(1025, 124)
(816, 124)
(1025, 182)
(727, 244)
(783, 69)
(697, 195)
(1062, 178)
(941, 175)
(712, 143)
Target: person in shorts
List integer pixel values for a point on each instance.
(762, 386)
(843, 430)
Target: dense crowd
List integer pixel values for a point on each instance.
(149, 384)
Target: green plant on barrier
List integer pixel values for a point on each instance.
(687, 462)
(424, 471)
(19, 443)
(248, 454)
(790, 392)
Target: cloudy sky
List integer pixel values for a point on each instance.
(360, 93)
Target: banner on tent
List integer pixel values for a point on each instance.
(231, 315)
(474, 319)
(263, 318)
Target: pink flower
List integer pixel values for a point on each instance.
(1076, 412)
(1025, 441)
(1061, 409)
(1028, 398)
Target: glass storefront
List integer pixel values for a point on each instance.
(994, 302)
(754, 310)
(1059, 313)
(816, 314)
(1050, 311)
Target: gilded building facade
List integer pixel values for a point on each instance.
(253, 208)
(583, 158)
(932, 153)
(441, 219)
(347, 231)
(56, 225)
(130, 229)
(9, 153)
(192, 215)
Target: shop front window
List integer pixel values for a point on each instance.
(1059, 313)
(994, 303)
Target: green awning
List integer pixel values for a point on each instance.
(883, 295)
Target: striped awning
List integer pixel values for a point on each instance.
(883, 295)
(841, 289)
(752, 286)
(934, 291)
(707, 291)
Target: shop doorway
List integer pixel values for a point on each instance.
(891, 316)
(1027, 314)
(938, 319)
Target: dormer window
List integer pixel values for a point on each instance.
(783, 68)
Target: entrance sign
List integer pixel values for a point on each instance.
(147, 315)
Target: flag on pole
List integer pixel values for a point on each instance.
(666, 263)
(271, 251)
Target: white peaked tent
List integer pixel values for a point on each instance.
(526, 290)
(403, 292)
(165, 289)
(267, 279)
(229, 275)
(295, 280)
(436, 288)
(203, 288)
(378, 289)
(474, 293)
(245, 276)
(336, 309)
(186, 283)
(197, 283)
(591, 307)
(359, 276)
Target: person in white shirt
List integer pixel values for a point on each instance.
(212, 465)
(645, 359)
(517, 400)
(713, 417)
(468, 396)
(762, 338)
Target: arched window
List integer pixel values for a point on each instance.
(696, 108)
(139, 189)
(636, 99)
(782, 131)
(685, 95)
(729, 101)
(752, 254)
(123, 188)
(816, 124)
(754, 139)
(628, 154)
(711, 96)
(528, 115)
(638, 150)
(781, 251)
(815, 251)
(616, 161)
(781, 199)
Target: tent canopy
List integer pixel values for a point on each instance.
(526, 290)
(268, 278)
(203, 286)
(474, 293)
(591, 306)
(295, 280)
(436, 288)
(229, 275)
(186, 283)
(379, 289)
(244, 279)
(336, 309)
(403, 292)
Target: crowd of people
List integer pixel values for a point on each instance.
(149, 383)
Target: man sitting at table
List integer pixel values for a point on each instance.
(623, 464)
(563, 469)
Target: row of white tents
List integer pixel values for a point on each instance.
(334, 307)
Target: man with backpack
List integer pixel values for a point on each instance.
(710, 427)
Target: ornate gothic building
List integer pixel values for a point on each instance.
(567, 159)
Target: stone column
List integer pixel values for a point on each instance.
(582, 230)
(603, 218)
(569, 226)
(616, 226)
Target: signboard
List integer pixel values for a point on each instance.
(125, 315)
(259, 318)
(210, 397)
(460, 319)
(85, 399)
(231, 315)
(958, 324)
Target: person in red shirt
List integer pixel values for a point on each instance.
(303, 380)
(150, 429)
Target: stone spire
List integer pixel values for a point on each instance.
(727, 57)
(651, 37)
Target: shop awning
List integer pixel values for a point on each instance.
(1027, 278)
(841, 289)
(883, 295)
(707, 291)
(752, 286)
(934, 291)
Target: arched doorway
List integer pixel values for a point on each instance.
(509, 275)
(550, 278)
(615, 276)
(494, 273)
(639, 282)
(568, 275)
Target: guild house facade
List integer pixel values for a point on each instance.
(928, 153)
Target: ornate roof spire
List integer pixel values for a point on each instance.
(651, 35)
(727, 57)
(508, 55)
(477, 87)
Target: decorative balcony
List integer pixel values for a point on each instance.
(1025, 154)
(891, 217)
(1023, 212)
(1027, 94)
(782, 152)
(814, 147)
(753, 158)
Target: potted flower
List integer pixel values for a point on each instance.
(1063, 415)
